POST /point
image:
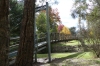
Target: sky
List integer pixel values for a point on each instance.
(64, 9)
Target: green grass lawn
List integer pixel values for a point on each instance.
(72, 59)
(71, 43)
(70, 55)
(86, 55)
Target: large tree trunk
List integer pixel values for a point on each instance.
(25, 51)
(4, 32)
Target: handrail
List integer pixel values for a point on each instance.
(42, 42)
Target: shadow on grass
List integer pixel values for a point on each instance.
(55, 61)
(58, 60)
(97, 61)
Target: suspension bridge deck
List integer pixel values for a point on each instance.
(40, 43)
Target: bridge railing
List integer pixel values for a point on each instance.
(56, 37)
(41, 37)
(41, 42)
(14, 44)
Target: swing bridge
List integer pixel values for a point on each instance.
(41, 41)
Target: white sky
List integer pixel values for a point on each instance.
(64, 8)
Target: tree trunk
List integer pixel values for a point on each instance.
(4, 32)
(25, 51)
(79, 21)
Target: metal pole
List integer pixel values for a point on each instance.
(48, 32)
(35, 43)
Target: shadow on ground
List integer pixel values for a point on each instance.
(57, 60)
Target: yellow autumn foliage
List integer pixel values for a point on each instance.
(91, 33)
(65, 30)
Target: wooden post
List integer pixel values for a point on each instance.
(48, 32)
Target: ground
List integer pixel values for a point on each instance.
(68, 62)
(68, 59)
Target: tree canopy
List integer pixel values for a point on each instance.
(54, 18)
(63, 29)
(16, 12)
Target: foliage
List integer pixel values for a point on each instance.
(53, 19)
(73, 30)
(41, 22)
(16, 12)
(79, 9)
(94, 21)
(54, 15)
(65, 30)
(89, 10)
(50, 1)
(86, 55)
(15, 17)
(60, 26)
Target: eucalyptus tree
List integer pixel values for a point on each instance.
(83, 9)
(25, 51)
(79, 10)
(92, 15)
(93, 19)
(4, 32)
(94, 28)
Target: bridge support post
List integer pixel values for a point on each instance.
(36, 48)
(48, 32)
(55, 36)
(35, 42)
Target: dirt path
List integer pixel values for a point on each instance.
(68, 62)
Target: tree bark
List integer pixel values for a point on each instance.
(25, 51)
(4, 32)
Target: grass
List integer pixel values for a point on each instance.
(69, 55)
(72, 59)
(61, 57)
(98, 61)
(86, 55)
(73, 43)
(69, 43)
